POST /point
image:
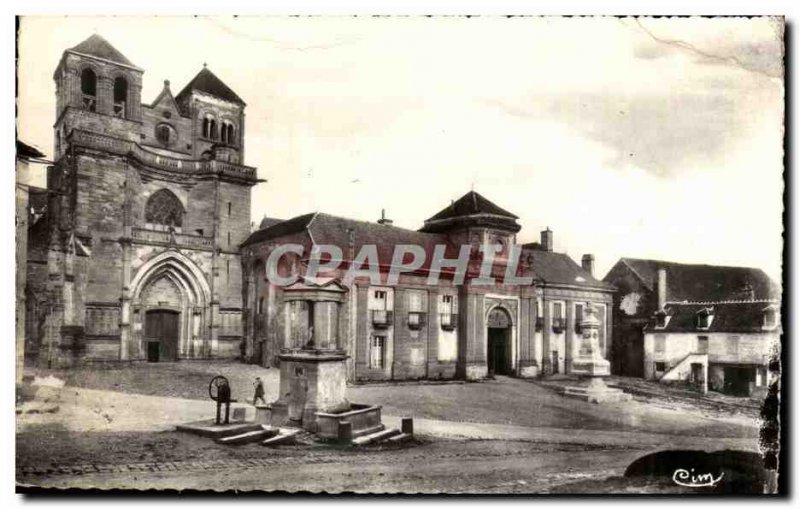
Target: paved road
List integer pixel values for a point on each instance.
(445, 466)
(101, 438)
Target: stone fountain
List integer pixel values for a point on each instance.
(592, 366)
(313, 377)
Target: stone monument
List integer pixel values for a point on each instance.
(313, 368)
(591, 365)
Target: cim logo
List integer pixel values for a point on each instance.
(689, 479)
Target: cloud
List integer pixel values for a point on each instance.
(688, 126)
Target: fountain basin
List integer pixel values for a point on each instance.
(365, 419)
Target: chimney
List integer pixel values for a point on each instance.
(383, 219)
(547, 240)
(587, 262)
(661, 287)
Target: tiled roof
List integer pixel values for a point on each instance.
(326, 229)
(208, 82)
(25, 151)
(694, 283)
(469, 204)
(729, 316)
(266, 222)
(559, 268)
(293, 225)
(471, 210)
(99, 47)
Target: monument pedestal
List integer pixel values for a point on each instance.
(314, 366)
(311, 381)
(591, 365)
(595, 390)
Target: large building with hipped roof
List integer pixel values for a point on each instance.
(411, 329)
(137, 254)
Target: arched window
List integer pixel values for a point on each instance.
(89, 89)
(231, 140)
(164, 208)
(120, 96)
(223, 132)
(164, 134)
(210, 127)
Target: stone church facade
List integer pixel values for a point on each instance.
(136, 256)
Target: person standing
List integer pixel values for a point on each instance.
(224, 398)
(259, 385)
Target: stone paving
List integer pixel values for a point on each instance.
(256, 460)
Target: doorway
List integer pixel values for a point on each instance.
(739, 380)
(161, 335)
(498, 351)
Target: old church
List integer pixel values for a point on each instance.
(135, 256)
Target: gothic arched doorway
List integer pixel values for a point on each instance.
(170, 297)
(498, 342)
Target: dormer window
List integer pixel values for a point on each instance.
(661, 319)
(704, 317)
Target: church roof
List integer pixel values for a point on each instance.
(699, 283)
(98, 47)
(208, 82)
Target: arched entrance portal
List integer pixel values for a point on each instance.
(170, 299)
(498, 342)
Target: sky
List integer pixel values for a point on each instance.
(628, 137)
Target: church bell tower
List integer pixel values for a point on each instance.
(97, 89)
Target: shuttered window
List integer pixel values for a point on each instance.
(376, 352)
